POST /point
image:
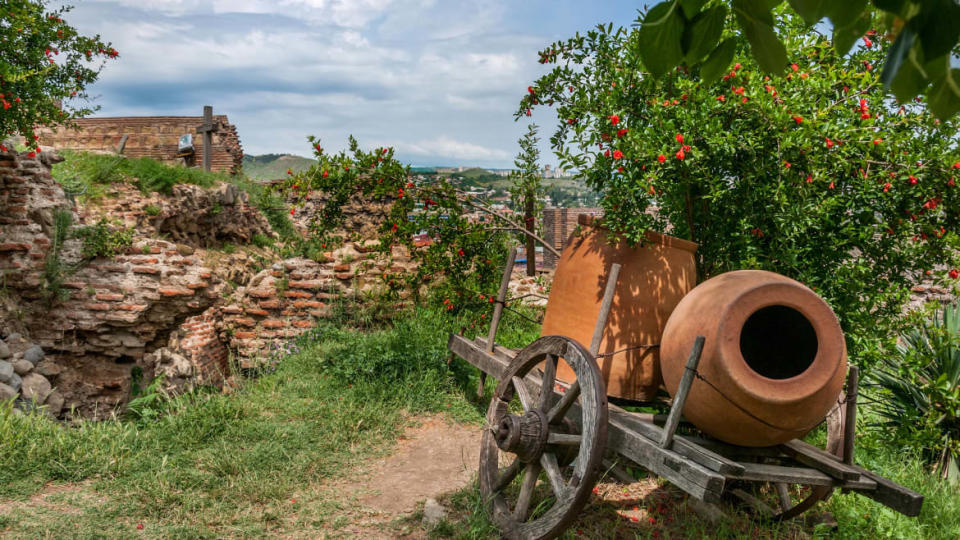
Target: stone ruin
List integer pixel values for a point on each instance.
(172, 304)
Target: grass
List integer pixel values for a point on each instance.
(270, 457)
(86, 174)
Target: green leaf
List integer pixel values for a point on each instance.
(767, 48)
(897, 55)
(938, 26)
(911, 79)
(845, 36)
(944, 97)
(718, 61)
(704, 33)
(811, 10)
(659, 38)
(757, 10)
(845, 12)
(890, 6)
(692, 7)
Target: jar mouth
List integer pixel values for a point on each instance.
(778, 342)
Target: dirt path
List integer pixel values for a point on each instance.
(432, 459)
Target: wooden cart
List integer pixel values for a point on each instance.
(559, 437)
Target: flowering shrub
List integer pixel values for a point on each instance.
(466, 254)
(43, 62)
(814, 174)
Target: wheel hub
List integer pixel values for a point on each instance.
(525, 436)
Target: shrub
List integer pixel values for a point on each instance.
(102, 240)
(812, 173)
(919, 389)
(54, 269)
(261, 240)
(152, 210)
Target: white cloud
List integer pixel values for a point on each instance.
(445, 146)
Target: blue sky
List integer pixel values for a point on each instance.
(436, 79)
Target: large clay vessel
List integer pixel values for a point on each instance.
(773, 362)
(654, 277)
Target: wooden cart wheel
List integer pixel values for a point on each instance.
(795, 499)
(543, 441)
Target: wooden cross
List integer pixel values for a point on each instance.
(207, 128)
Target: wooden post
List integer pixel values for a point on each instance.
(605, 306)
(682, 392)
(123, 145)
(207, 129)
(850, 416)
(497, 313)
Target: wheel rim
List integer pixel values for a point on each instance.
(541, 439)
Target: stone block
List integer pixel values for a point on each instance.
(6, 371)
(36, 388)
(34, 354)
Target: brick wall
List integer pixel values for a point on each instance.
(558, 224)
(150, 136)
(201, 345)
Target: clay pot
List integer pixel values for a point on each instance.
(774, 358)
(654, 277)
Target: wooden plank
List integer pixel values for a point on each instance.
(850, 418)
(497, 313)
(818, 459)
(673, 420)
(682, 444)
(469, 351)
(501, 352)
(760, 472)
(890, 494)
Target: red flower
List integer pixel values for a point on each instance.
(954, 274)
(786, 164)
(737, 66)
(829, 142)
(831, 185)
(325, 174)
(394, 227)
(661, 158)
(679, 138)
(292, 211)
(460, 252)
(950, 182)
(809, 178)
(886, 187)
(289, 171)
(721, 98)
(614, 119)
(606, 152)
(622, 132)
(798, 119)
(139, 526)
(32, 155)
(794, 67)
(956, 165)
(865, 116)
(867, 42)
(530, 89)
(877, 141)
(680, 155)
(317, 146)
(913, 180)
(529, 112)
(571, 121)
(618, 154)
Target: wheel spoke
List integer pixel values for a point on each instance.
(526, 491)
(549, 462)
(549, 378)
(523, 393)
(564, 439)
(506, 475)
(560, 409)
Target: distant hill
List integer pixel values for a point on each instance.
(274, 166)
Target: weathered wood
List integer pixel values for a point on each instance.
(818, 459)
(850, 418)
(523, 393)
(520, 377)
(783, 493)
(680, 399)
(473, 354)
(497, 313)
(760, 472)
(605, 305)
(123, 144)
(503, 353)
(563, 439)
(207, 129)
(886, 492)
(761, 507)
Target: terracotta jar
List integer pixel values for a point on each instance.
(773, 362)
(653, 279)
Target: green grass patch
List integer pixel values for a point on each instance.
(85, 174)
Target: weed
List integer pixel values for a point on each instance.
(102, 240)
(152, 210)
(261, 240)
(229, 248)
(55, 270)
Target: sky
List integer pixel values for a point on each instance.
(438, 80)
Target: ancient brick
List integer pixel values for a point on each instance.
(97, 307)
(198, 285)
(146, 270)
(344, 276)
(304, 324)
(233, 310)
(297, 294)
(274, 324)
(174, 292)
(245, 335)
(307, 284)
(301, 304)
(15, 246)
(109, 297)
(262, 293)
(144, 260)
(270, 304)
(257, 312)
(341, 268)
(244, 321)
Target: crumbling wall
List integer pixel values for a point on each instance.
(155, 137)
